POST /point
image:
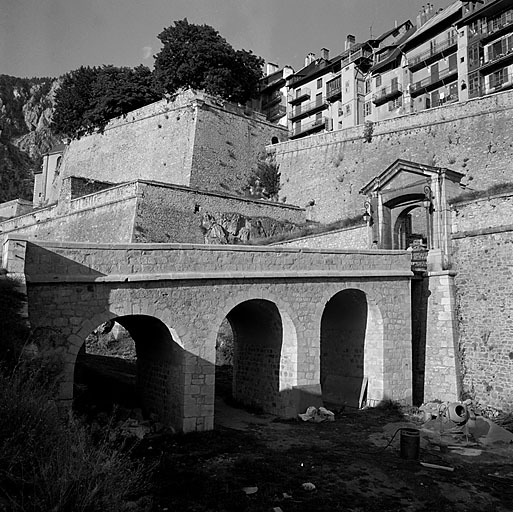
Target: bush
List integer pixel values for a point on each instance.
(50, 464)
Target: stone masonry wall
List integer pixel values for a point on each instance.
(72, 288)
(227, 146)
(194, 140)
(482, 258)
(176, 214)
(72, 259)
(349, 238)
(472, 137)
(100, 217)
(154, 143)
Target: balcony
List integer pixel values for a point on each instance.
(276, 113)
(499, 84)
(334, 89)
(497, 29)
(386, 94)
(497, 60)
(271, 100)
(307, 109)
(445, 76)
(362, 57)
(304, 94)
(436, 52)
(309, 128)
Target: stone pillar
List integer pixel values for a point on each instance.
(442, 378)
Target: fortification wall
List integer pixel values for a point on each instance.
(472, 137)
(355, 237)
(154, 142)
(227, 146)
(482, 257)
(194, 140)
(100, 217)
(178, 214)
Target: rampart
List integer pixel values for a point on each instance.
(482, 242)
(144, 211)
(472, 137)
(193, 140)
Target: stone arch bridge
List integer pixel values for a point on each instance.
(304, 321)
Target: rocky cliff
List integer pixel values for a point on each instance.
(26, 106)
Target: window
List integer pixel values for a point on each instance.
(473, 84)
(367, 108)
(318, 99)
(395, 84)
(378, 81)
(347, 110)
(474, 54)
(368, 85)
(498, 78)
(453, 62)
(347, 86)
(298, 92)
(319, 83)
(395, 103)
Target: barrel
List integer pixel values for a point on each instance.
(410, 443)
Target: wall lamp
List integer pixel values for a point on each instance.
(428, 199)
(367, 214)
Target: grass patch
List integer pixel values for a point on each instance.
(499, 188)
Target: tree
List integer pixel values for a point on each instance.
(89, 97)
(197, 56)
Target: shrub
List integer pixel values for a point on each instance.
(49, 464)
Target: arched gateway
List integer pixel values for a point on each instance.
(285, 306)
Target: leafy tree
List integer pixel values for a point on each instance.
(73, 99)
(197, 56)
(89, 97)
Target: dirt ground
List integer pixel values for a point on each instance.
(255, 462)
(262, 466)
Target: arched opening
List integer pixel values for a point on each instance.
(351, 350)
(274, 140)
(259, 348)
(134, 362)
(411, 227)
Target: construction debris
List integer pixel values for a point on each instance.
(317, 415)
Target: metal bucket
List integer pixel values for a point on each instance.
(410, 443)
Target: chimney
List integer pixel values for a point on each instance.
(350, 41)
(287, 71)
(309, 58)
(325, 54)
(271, 68)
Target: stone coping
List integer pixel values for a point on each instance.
(481, 232)
(320, 234)
(231, 275)
(200, 247)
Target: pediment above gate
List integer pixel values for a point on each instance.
(406, 178)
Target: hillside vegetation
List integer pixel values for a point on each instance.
(26, 107)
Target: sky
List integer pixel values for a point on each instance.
(52, 37)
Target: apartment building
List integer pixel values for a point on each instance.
(328, 94)
(272, 100)
(388, 78)
(432, 58)
(486, 45)
(453, 54)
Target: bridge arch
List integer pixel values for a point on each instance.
(265, 351)
(351, 347)
(159, 363)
